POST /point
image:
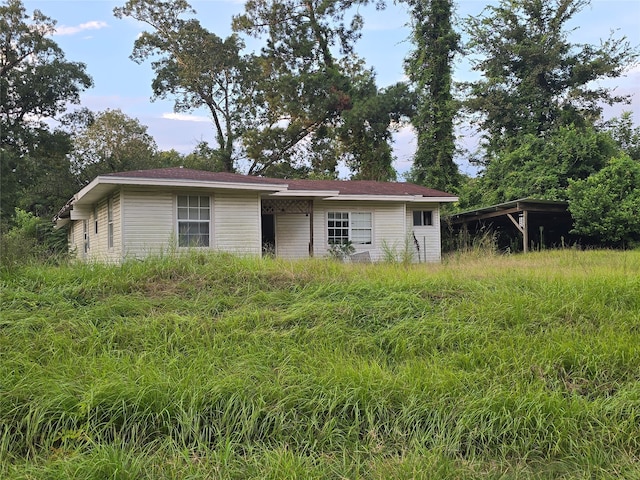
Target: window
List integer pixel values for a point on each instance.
(95, 219)
(110, 223)
(85, 227)
(193, 221)
(422, 218)
(345, 227)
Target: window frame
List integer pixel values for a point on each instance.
(190, 210)
(86, 242)
(348, 217)
(110, 222)
(422, 214)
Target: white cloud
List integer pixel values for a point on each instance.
(181, 117)
(83, 27)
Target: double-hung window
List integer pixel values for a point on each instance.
(422, 218)
(194, 217)
(349, 227)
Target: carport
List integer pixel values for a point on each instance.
(538, 223)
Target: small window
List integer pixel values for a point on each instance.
(345, 227)
(85, 225)
(110, 223)
(194, 213)
(95, 219)
(422, 218)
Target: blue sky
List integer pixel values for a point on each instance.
(88, 32)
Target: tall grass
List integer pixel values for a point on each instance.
(227, 367)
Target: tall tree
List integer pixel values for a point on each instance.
(197, 68)
(534, 79)
(36, 83)
(320, 103)
(430, 69)
(111, 142)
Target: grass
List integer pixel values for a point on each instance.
(522, 367)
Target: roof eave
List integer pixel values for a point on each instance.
(393, 198)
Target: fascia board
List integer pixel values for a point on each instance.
(305, 193)
(167, 182)
(392, 198)
(172, 182)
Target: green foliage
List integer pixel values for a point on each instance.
(111, 142)
(226, 367)
(535, 80)
(430, 69)
(540, 167)
(31, 239)
(36, 83)
(197, 68)
(625, 134)
(341, 251)
(606, 205)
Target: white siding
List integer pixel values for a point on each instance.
(147, 221)
(389, 227)
(428, 237)
(237, 221)
(76, 246)
(292, 236)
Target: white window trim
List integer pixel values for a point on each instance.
(110, 225)
(350, 226)
(178, 221)
(422, 210)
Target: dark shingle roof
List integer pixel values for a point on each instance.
(344, 187)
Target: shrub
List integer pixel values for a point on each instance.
(31, 239)
(606, 205)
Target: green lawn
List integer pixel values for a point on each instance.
(523, 366)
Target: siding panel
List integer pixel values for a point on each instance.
(292, 236)
(148, 222)
(389, 226)
(237, 220)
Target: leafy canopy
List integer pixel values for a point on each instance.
(606, 206)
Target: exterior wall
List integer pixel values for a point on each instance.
(236, 222)
(389, 226)
(428, 237)
(147, 221)
(292, 236)
(98, 242)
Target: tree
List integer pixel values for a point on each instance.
(430, 68)
(365, 132)
(625, 134)
(541, 167)
(606, 206)
(198, 68)
(111, 142)
(36, 83)
(319, 102)
(533, 78)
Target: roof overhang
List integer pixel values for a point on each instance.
(102, 186)
(392, 198)
(305, 193)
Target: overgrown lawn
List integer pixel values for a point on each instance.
(523, 366)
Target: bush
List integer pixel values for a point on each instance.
(606, 206)
(31, 239)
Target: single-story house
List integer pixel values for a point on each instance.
(138, 213)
